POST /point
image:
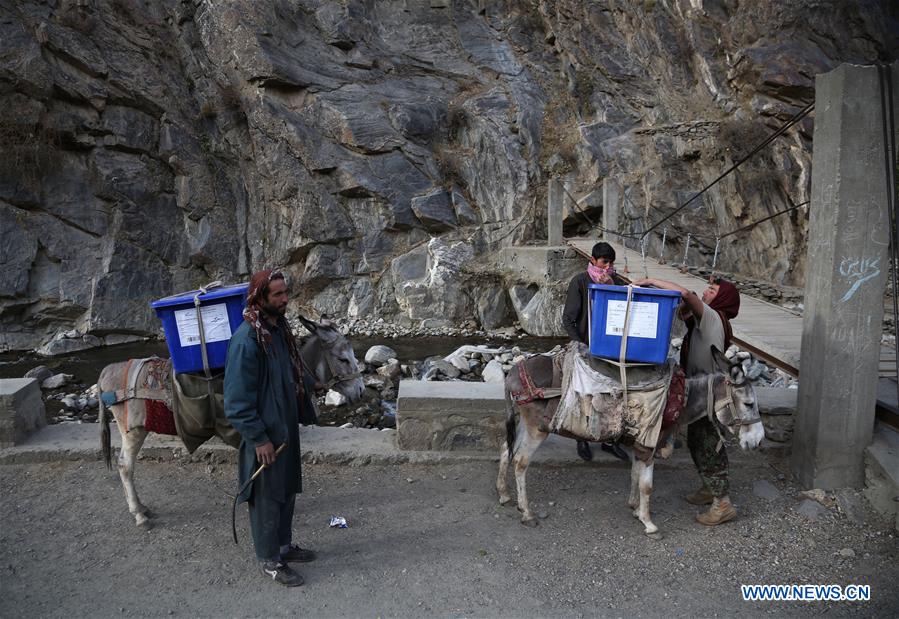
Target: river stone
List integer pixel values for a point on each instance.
(39, 373)
(335, 398)
(447, 369)
(493, 372)
(375, 381)
(461, 363)
(65, 345)
(56, 381)
(390, 370)
(379, 354)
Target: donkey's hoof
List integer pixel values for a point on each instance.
(656, 535)
(504, 500)
(529, 522)
(146, 525)
(148, 513)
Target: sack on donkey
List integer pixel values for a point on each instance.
(593, 403)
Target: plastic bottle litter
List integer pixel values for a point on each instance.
(338, 522)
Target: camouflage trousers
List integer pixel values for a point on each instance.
(712, 465)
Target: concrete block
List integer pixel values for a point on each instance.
(21, 410)
(776, 401)
(541, 264)
(450, 415)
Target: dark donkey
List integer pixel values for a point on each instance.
(726, 395)
(326, 354)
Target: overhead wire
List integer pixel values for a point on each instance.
(792, 121)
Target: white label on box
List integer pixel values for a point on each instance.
(216, 327)
(643, 323)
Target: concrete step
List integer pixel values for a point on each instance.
(882, 472)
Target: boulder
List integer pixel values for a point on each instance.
(56, 381)
(446, 368)
(493, 309)
(379, 354)
(493, 372)
(39, 373)
(435, 211)
(335, 398)
(390, 370)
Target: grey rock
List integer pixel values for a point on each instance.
(390, 370)
(326, 262)
(447, 369)
(39, 373)
(778, 428)
(374, 380)
(493, 308)
(56, 381)
(465, 215)
(461, 363)
(852, 504)
(493, 372)
(539, 312)
(764, 489)
(379, 354)
(812, 510)
(64, 345)
(435, 211)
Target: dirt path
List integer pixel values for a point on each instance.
(422, 541)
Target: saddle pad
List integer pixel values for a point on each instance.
(593, 407)
(160, 418)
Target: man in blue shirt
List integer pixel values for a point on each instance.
(263, 395)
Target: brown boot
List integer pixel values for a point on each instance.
(720, 512)
(700, 497)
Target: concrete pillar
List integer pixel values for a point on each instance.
(21, 410)
(611, 204)
(845, 279)
(554, 208)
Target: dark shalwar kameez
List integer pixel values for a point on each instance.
(261, 403)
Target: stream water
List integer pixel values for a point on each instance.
(85, 366)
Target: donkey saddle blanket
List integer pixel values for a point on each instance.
(190, 406)
(593, 404)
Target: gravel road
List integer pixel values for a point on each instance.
(425, 541)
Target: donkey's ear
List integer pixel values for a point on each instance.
(310, 325)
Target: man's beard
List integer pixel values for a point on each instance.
(273, 312)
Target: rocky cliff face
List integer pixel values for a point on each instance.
(381, 150)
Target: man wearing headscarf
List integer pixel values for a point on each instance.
(264, 401)
(600, 270)
(708, 324)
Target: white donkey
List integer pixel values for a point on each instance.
(725, 396)
(326, 353)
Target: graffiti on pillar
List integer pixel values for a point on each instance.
(857, 271)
